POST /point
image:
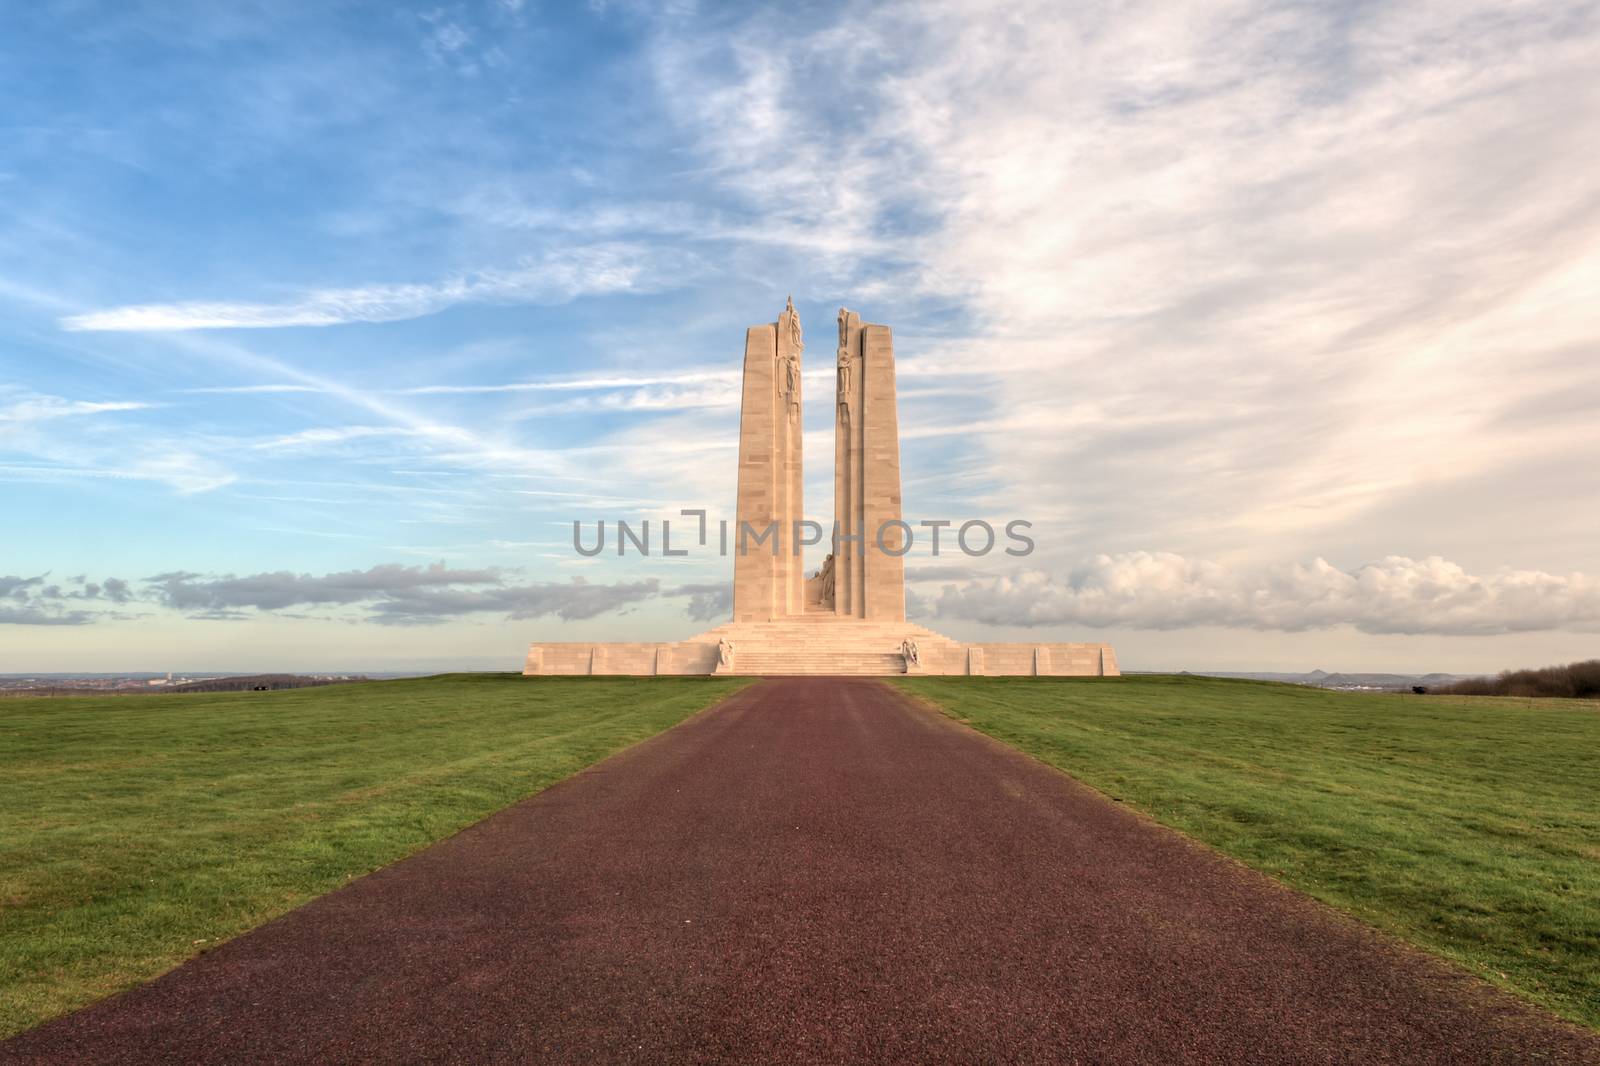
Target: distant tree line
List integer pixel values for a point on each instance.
(1574, 681)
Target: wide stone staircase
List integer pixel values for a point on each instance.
(820, 644)
(826, 644)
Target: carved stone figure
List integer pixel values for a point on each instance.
(819, 587)
(796, 338)
(790, 322)
(791, 384)
(844, 364)
(724, 653)
(913, 657)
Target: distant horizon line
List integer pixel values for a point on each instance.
(463, 669)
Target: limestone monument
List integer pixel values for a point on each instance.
(850, 618)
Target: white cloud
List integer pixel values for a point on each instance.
(78, 439)
(33, 601)
(708, 601)
(399, 595)
(1241, 272)
(592, 382)
(324, 436)
(556, 278)
(1161, 590)
(35, 407)
(649, 399)
(478, 449)
(1256, 277)
(227, 390)
(725, 379)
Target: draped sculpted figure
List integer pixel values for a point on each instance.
(790, 322)
(844, 364)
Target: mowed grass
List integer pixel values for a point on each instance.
(136, 831)
(1469, 826)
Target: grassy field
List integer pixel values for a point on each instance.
(137, 831)
(1469, 826)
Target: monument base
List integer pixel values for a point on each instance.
(823, 645)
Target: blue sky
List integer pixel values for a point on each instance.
(319, 324)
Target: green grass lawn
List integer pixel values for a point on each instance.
(136, 831)
(1469, 826)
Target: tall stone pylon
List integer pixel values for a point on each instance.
(768, 574)
(868, 576)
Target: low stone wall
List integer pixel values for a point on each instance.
(1039, 660)
(631, 659)
(943, 658)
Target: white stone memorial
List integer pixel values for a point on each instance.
(850, 618)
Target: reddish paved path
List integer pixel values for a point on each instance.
(815, 871)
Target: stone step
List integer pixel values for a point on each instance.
(876, 647)
(819, 640)
(826, 669)
(822, 645)
(768, 655)
(818, 668)
(831, 671)
(842, 625)
(886, 643)
(757, 661)
(852, 653)
(822, 634)
(749, 652)
(840, 656)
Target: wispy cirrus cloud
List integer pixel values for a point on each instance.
(556, 277)
(249, 390)
(585, 383)
(35, 407)
(642, 400)
(67, 439)
(623, 393)
(373, 303)
(326, 436)
(181, 471)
